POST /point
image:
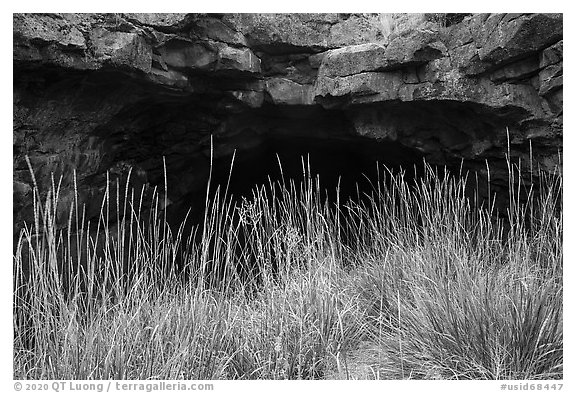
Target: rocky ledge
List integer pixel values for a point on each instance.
(103, 93)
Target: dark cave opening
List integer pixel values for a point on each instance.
(347, 166)
(347, 169)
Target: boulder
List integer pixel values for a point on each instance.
(506, 38)
(285, 33)
(352, 60)
(237, 59)
(519, 70)
(279, 33)
(550, 77)
(419, 48)
(184, 54)
(217, 30)
(46, 29)
(414, 49)
(377, 86)
(121, 49)
(355, 29)
(285, 92)
(169, 22)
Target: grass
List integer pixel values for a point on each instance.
(415, 280)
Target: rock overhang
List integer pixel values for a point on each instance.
(94, 91)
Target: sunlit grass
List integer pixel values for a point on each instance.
(415, 280)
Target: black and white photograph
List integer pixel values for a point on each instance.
(287, 196)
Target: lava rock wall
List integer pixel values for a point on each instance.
(100, 95)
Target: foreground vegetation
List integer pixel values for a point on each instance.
(416, 280)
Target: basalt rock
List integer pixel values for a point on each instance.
(100, 95)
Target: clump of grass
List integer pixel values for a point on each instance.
(457, 296)
(415, 280)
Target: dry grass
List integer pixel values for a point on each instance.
(412, 281)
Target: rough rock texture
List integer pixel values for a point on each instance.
(98, 93)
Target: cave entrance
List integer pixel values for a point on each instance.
(349, 164)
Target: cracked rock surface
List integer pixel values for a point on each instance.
(98, 93)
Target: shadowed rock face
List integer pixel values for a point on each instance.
(99, 93)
